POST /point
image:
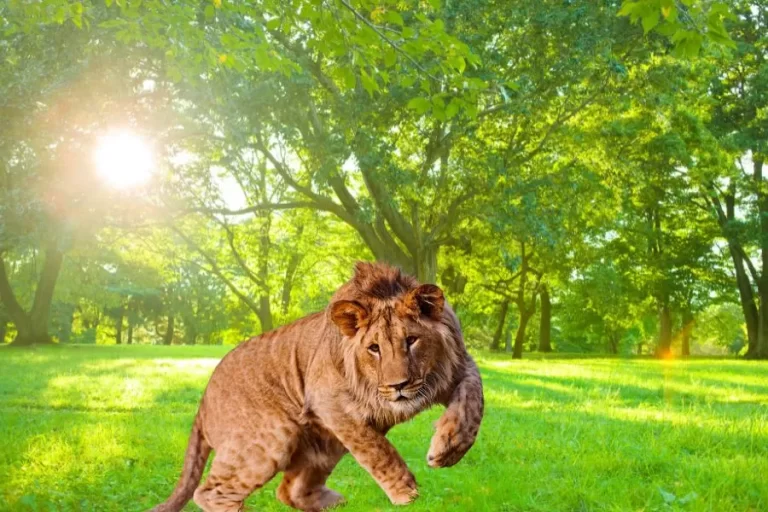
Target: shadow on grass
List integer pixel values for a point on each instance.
(67, 460)
(607, 438)
(632, 385)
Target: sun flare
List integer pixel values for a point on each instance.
(123, 159)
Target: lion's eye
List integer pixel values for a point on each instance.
(374, 349)
(410, 340)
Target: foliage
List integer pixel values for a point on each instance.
(721, 326)
(563, 177)
(686, 23)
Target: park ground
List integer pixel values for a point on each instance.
(105, 428)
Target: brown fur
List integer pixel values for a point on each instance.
(298, 398)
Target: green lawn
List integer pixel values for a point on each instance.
(105, 428)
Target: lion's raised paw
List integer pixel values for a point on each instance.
(449, 443)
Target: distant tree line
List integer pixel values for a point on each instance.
(578, 176)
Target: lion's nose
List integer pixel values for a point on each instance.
(399, 385)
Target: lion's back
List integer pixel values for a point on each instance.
(262, 379)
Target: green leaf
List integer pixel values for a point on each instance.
(369, 84)
(347, 78)
(722, 9)
(458, 63)
(689, 46)
(60, 15)
(669, 29)
(680, 36)
(452, 109)
(628, 8)
(76, 10)
(210, 12)
(394, 18)
(390, 57)
(650, 21)
(420, 105)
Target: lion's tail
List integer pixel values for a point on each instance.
(194, 463)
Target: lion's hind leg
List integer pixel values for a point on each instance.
(303, 486)
(239, 469)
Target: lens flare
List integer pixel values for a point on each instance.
(123, 160)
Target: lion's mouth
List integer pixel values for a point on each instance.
(403, 395)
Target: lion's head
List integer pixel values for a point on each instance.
(399, 336)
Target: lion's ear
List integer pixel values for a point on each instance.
(427, 300)
(349, 316)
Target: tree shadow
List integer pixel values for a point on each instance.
(610, 437)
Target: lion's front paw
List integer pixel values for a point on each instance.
(405, 491)
(450, 442)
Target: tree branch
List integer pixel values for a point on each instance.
(319, 201)
(389, 41)
(240, 260)
(255, 208)
(216, 270)
(400, 226)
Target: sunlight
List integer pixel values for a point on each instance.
(123, 159)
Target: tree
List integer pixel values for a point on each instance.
(56, 84)
(517, 153)
(739, 90)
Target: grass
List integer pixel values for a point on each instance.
(105, 428)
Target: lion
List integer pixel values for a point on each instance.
(296, 399)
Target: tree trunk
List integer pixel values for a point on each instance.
(130, 332)
(762, 202)
(664, 348)
(747, 300)
(265, 244)
(496, 341)
(762, 329)
(426, 265)
(32, 327)
(66, 319)
(3, 330)
(41, 306)
(170, 331)
(190, 334)
(265, 314)
(743, 284)
(685, 335)
(119, 325)
(525, 312)
(290, 275)
(613, 343)
(545, 326)
(517, 353)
